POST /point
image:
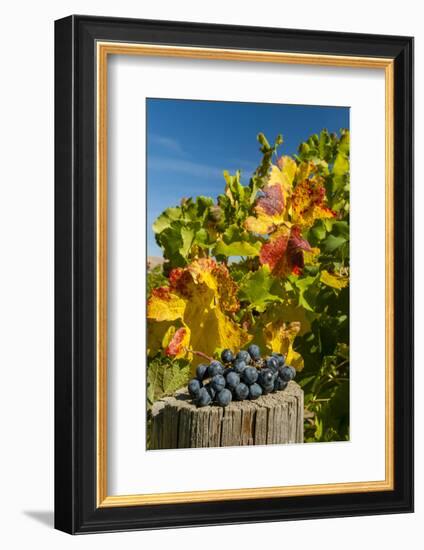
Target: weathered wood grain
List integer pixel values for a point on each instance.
(272, 419)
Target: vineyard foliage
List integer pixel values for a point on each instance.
(265, 262)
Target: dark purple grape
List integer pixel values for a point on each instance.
(241, 391)
(224, 397)
(227, 356)
(194, 388)
(255, 391)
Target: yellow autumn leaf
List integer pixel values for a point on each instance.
(164, 305)
(294, 359)
(334, 280)
(308, 202)
(157, 335)
(310, 167)
(270, 207)
(273, 334)
(310, 257)
(209, 296)
(284, 172)
(304, 170)
(289, 311)
(261, 223)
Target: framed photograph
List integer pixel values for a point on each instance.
(234, 274)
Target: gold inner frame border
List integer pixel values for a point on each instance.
(103, 50)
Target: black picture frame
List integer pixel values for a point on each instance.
(76, 510)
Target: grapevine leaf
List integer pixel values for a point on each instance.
(179, 343)
(307, 291)
(234, 189)
(164, 221)
(308, 202)
(203, 238)
(341, 165)
(239, 248)
(165, 305)
(332, 243)
(333, 280)
(344, 143)
(201, 297)
(270, 205)
(171, 241)
(290, 312)
(187, 237)
(158, 334)
(283, 174)
(319, 231)
(164, 377)
(341, 228)
(284, 252)
(275, 335)
(256, 288)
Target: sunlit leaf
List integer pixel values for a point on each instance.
(273, 334)
(308, 202)
(176, 342)
(166, 218)
(200, 298)
(165, 305)
(239, 248)
(341, 165)
(270, 206)
(284, 252)
(256, 288)
(333, 280)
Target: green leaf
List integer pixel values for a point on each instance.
(341, 228)
(238, 248)
(344, 143)
(234, 188)
(166, 218)
(164, 377)
(319, 231)
(255, 288)
(171, 242)
(202, 238)
(332, 243)
(203, 204)
(307, 291)
(341, 165)
(324, 140)
(187, 236)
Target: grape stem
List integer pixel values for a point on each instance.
(199, 353)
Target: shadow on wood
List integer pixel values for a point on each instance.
(272, 419)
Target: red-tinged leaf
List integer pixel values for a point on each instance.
(284, 253)
(272, 202)
(270, 208)
(202, 298)
(273, 253)
(177, 347)
(308, 202)
(165, 305)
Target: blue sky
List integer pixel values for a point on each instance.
(190, 143)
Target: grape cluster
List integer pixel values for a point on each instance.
(245, 375)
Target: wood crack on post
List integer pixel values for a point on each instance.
(272, 419)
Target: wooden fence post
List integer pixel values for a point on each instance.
(272, 419)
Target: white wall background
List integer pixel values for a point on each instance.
(26, 272)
